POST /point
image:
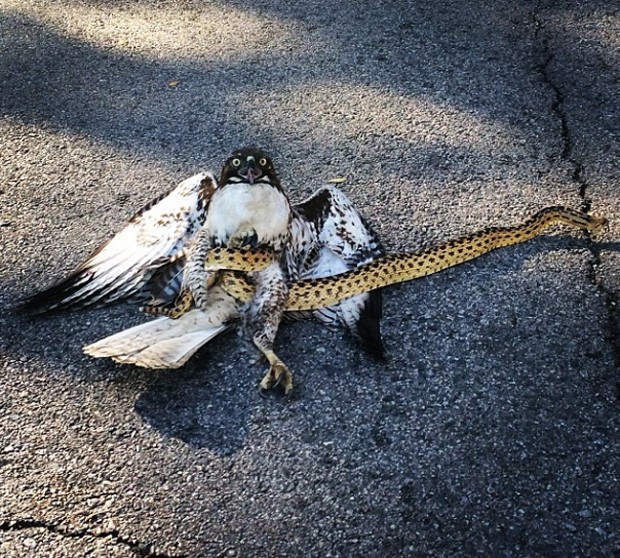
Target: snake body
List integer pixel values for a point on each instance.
(233, 264)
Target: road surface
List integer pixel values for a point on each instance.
(492, 430)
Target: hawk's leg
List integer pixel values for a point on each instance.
(264, 318)
(196, 280)
(187, 298)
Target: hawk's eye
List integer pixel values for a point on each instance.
(262, 162)
(236, 162)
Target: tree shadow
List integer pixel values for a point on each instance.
(125, 99)
(421, 52)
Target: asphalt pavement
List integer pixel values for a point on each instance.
(494, 427)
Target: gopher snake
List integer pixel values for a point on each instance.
(233, 264)
(393, 268)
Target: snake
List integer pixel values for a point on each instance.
(234, 264)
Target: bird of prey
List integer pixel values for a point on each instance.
(324, 261)
(160, 253)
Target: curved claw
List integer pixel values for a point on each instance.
(278, 381)
(242, 239)
(278, 374)
(251, 240)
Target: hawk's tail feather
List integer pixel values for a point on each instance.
(159, 343)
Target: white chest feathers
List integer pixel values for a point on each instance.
(243, 207)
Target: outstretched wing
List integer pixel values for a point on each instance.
(142, 258)
(330, 237)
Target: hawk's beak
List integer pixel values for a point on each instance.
(249, 170)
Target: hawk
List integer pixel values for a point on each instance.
(325, 261)
(160, 253)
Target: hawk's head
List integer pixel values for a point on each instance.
(250, 165)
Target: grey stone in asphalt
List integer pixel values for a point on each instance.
(492, 430)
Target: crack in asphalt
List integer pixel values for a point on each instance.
(141, 550)
(577, 175)
(557, 108)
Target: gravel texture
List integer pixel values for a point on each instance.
(494, 427)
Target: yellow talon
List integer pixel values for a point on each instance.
(278, 374)
(243, 238)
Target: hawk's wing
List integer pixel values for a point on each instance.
(331, 237)
(143, 257)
